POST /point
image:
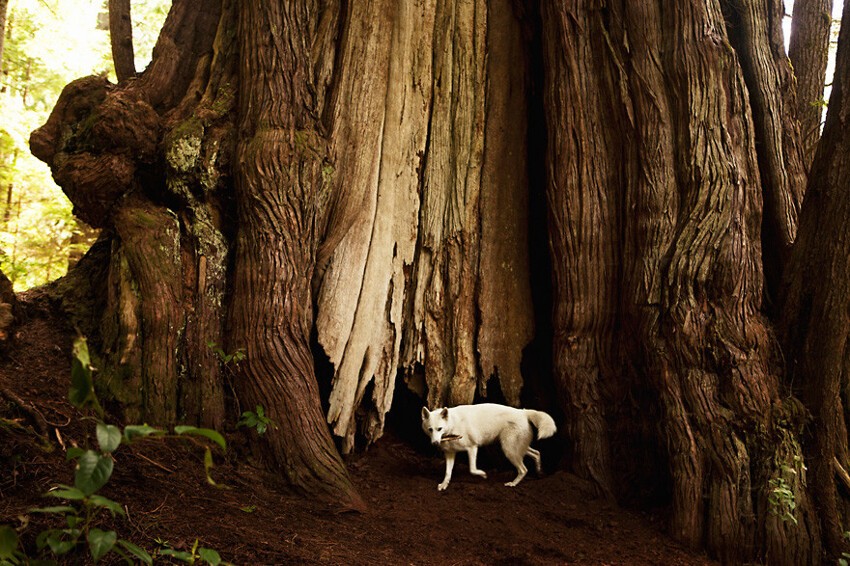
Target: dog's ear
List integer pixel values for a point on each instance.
(425, 413)
(445, 413)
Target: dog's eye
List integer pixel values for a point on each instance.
(430, 429)
(440, 429)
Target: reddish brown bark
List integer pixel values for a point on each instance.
(121, 37)
(809, 53)
(280, 190)
(817, 301)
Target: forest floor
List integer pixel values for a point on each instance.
(549, 519)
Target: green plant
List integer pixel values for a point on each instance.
(10, 553)
(83, 506)
(198, 553)
(781, 498)
(257, 420)
(226, 358)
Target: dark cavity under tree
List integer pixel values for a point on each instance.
(355, 181)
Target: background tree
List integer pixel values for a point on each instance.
(355, 180)
(809, 53)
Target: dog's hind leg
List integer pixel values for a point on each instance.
(472, 451)
(535, 455)
(515, 446)
(450, 463)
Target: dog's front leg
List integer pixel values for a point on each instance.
(472, 451)
(450, 463)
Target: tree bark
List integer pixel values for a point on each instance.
(655, 206)
(280, 190)
(121, 38)
(809, 52)
(814, 326)
(755, 31)
(426, 241)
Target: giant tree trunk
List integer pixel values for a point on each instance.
(281, 187)
(815, 310)
(370, 190)
(426, 245)
(655, 198)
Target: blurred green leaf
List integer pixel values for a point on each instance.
(108, 437)
(93, 471)
(205, 432)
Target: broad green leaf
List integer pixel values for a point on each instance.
(210, 556)
(101, 542)
(54, 509)
(108, 437)
(93, 471)
(81, 393)
(8, 542)
(59, 545)
(205, 432)
(66, 492)
(106, 503)
(136, 551)
(140, 431)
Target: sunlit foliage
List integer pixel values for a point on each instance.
(48, 44)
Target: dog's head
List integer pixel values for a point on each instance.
(434, 423)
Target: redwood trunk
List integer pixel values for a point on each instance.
(817, 301)
(280, 189)
(655, 196)
(809, 52)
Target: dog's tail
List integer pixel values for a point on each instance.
(544, 424)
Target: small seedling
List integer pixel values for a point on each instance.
(257, 420)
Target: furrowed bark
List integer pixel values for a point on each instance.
(809, 53)
(656, 231)
(755, 32)
(583, 225)
(814, 326)
(280, 186)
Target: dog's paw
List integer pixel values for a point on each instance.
(511, 483)
(479, 473)
(443, 486)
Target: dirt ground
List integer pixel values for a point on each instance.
(545, 520)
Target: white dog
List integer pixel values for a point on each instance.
(466, 427)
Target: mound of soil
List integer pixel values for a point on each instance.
(551, 519)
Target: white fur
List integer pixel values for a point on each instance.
(479, 425)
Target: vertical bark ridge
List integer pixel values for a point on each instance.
(814, 328)
(809, 53)
(150, 240)
(279, 183)
(755, 31)
(583, 226)
(504, 300)
(352, 321)
(449, 222)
